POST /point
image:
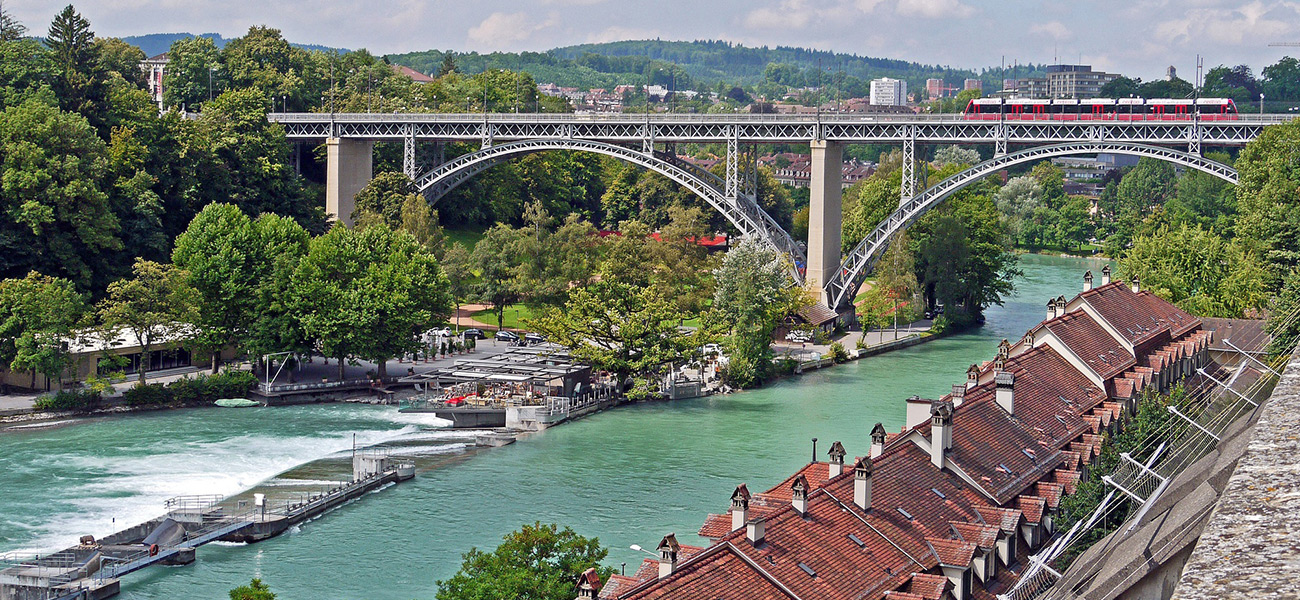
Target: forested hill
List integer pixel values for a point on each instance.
(707, 63)
(156, 43)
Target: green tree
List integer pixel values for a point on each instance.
(1198, 271)
(252, 155)
(276, 326)
(58, 219)
(629, 330)
(263, 62)
(866, 204)
(1269, 174)
(224, 262)
(117, 57)
(79, 78)
(1205, 200)
(896, 275)
(38, 315)
(381, 200)
(1121, 87)
(10, 28)
(255, 590)
(369, 294)
(957, 155)
(1017, 201)
(753, 293)
(192, 74)
(537, 562)
(26, 72)
(495, 261)
(963, 256)
(459, 273)
(155, 305)
(1282, 79)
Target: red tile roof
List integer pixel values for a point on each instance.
(1130, 315)
(1032, 507)
(722, 567)
(1050, 492)
(893, 595)
(1006, 519)
(952, 553)
(983, 536)
(1091, 343)
(928, 586)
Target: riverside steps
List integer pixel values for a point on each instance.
(93, 569)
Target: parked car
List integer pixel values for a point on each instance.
(534, 338)
(444, 332)
(473, 333)
(508, 336)
(710, 349)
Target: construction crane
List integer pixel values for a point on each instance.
(1285, 45)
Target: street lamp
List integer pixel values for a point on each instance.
(466, 104)
(1261, 103)
(211, 69)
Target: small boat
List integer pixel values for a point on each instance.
(236, 403)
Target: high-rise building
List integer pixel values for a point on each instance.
(888, 92)
(934, 88)
(972, 84)
(1076, 81)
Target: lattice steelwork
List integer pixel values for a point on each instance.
(742, 210)
(676, 127)
(858, 263)
(507, 135)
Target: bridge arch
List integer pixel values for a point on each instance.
(742, 211)
(844, 286)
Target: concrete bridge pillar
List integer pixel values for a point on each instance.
(825, 215)
(349, 166)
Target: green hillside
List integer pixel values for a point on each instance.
(703, 65)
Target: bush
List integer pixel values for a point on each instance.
(147, 394)
(784, 367)
(69, 400)
(838, 353)
(207, 388)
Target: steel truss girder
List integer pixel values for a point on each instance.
(843, 286)
(741, 210)
(645, 129)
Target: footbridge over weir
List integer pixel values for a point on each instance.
(648, 140)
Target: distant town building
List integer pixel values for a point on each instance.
(1062, 81)
(888, 92)
(155, 67)
(1171, 73)
(934, 88)
(972, 84)
(795, 170)
(415, 76)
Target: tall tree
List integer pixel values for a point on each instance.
(193, 73)
(224, 262)
(117, 57)
(10, 29)
(753, 292)
(59, 221)
(896, 274)
(79, 80)
(369, 294)
(38, 315)
(1199, 271)
(495, 260)
(156, 305)
(1269, 175)
(537, 562)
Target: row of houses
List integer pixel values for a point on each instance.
(952, 506)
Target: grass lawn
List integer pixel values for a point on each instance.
(467, 237)
(514, 316)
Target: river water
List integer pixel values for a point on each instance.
(628, 476)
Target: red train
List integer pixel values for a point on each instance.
(1101, 109)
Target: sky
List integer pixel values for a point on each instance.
(1133, 37)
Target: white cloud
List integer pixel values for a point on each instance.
(934, 9)
(1053, 29)
(792, 14)
(615, 33)
(502, 29)
(1255, 23)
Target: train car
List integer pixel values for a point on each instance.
(1101, 109)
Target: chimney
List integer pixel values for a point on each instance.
(799, 494)
(1105, 275)
(1005, 394)
(1060, 305)
(1087, 281)
(588, 584)
(958, 395)
(668, 549)
(862, 483)
(1004, 352)
(877, 440)
(837, 460)
(1051, 308)
(940, 431)
(1137, 285)
(739, 507)
(972, 376)
(755, 530)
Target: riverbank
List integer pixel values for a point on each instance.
(683, 460)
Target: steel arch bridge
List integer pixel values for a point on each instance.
(738, 205)
(844, 286)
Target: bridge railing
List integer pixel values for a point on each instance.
(673, 118)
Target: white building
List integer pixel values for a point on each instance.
(888, 92)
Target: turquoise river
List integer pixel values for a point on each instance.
(628, 475)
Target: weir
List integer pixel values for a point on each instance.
(93, 569)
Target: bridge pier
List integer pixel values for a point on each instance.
(349, 166)
(825, 215)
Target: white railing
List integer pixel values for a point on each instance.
(715, 118)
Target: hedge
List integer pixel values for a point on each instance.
(69, 400)
(147, 394)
